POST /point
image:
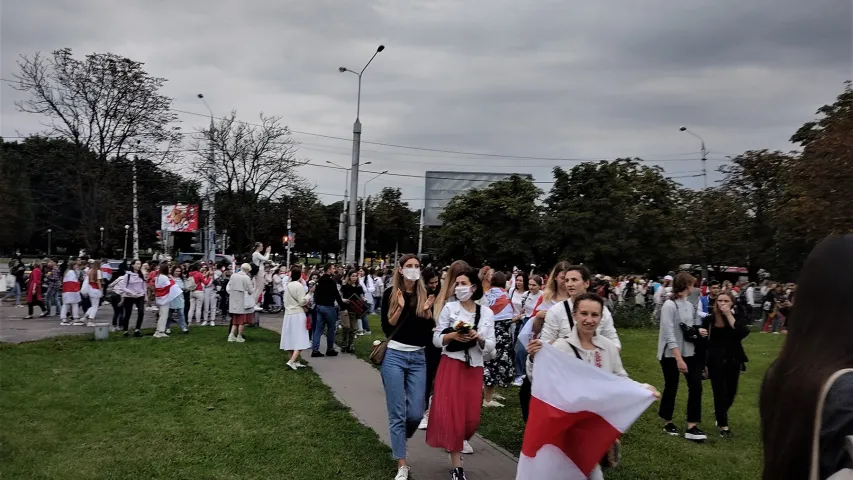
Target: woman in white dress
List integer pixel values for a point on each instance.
(294, 330)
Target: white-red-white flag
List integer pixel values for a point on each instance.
(577, 411)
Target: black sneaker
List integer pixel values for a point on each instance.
(695, 434)
(126, 333)
(137, 333)
(316, 354)
(726, 433)
(332, 353)
(671, 429)
(457, 474)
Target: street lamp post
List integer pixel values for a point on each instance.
(704, 155)
(210, 197)
(356, 153)
(49, 231)
(102, 237)
(135, 208)
(124, 251)
(342, 227)
(363, 210)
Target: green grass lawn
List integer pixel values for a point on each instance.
(647, 452)
(188, 407)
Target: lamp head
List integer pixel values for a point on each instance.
(127, 227)
(682, 128)
(381, 47)
(200, 96)
(342, 69)
(367, 163)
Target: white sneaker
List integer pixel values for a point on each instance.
(168, 331)
(240, 339)
(519, 381)
(492, 404)
(153, 309)
(78, 323)
(402, 473)
(467, 449)
(65, 323)
(259, 309)
(424, 422)
(498, 396)
(203, 324)
(113, 328)
(292, 365)
(160, 335)
(232, 338)
(299, 364)
(211, 324)
(90, 324)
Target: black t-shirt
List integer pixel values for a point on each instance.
(347, 291)
(415, 330)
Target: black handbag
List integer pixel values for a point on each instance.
(690, 332)
(456, 345)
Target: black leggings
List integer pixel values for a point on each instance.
(724, 380)
(433, 358)
(140, 311)
(118, 310)
(524, 394)
(30, 306)
(670, 388)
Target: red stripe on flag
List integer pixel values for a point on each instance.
(583, 437)
(500, 304)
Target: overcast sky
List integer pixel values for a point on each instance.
(537, 78)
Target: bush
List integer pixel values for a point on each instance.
(625, 316)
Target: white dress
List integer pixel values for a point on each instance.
(294, 331)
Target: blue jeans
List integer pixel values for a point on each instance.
(51, 298)
(404, 378)
(327, 317)
(520, 354)
(182, 319)
(365, 323)
(16, 291)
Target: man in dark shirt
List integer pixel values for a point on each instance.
(325, 295)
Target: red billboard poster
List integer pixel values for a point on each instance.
(179, 218)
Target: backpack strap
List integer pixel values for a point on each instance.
(577, 353)
(569, 313)
(815, 453)
(477, 316)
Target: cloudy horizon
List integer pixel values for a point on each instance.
(543, 79)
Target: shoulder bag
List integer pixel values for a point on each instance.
(846, 474)
(690, 332)
(378, 353)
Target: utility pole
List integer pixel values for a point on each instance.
(421, 233)
(210, 197)
(135, 211)
(289, 241)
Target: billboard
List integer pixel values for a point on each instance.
(179, 218)
(440, 187)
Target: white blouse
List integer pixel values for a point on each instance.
(453, 312)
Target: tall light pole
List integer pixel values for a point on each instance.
(102, 237)
(135, 208)
(49, 231)
(124, 252)
(363, 210)
(356, 153)
(704, 155)
(210, 196)
(342, 227)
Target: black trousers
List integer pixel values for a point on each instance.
(724, 375)
(118, 310)
(433, 358)
(140, 311)
(669, 366)
(32, 304)
(524, 394)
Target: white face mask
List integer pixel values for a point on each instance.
(463, 293)
(412, 274)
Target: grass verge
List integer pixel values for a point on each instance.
(191, 406)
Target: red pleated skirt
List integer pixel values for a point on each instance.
(454, 414)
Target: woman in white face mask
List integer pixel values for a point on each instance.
(406, 314)
(466, 332)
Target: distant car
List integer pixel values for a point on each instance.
(197, 257)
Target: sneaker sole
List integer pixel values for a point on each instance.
(695, 438)
(674, 434)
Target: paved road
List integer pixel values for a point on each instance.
(354, 382)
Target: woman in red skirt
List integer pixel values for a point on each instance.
(465, 332)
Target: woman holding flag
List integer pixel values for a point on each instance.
(498, 369)
(165, 290)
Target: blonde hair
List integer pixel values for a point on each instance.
(93, 271)
(551, 287)
(448, 285)
(398, 284)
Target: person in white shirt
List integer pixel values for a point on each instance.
(557, 320)
(294, 327)
(369, 288)
(466, 333)
(523, 313)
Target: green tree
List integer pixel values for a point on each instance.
(391, 224)
(499, 224)
(617, 217)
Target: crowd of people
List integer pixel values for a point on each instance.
(456, 334)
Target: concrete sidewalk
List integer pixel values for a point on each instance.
(358, 385)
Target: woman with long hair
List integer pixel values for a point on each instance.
(294, 329)
(818, 346)
(166, 289)
(466, 333)
(677, 355)
(34, 295)
(725, 327)
(369, 288)
(132, 291)
(447, 288)
(431, 352)
(177, 305)
(351, 290)
(95, 279)
(406, 313)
